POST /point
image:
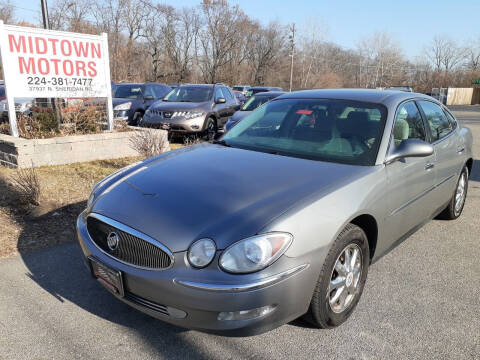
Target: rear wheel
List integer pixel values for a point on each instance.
(341, 280)
(457, 202)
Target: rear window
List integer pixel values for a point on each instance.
(341, 131)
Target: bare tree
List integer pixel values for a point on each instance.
(266, 48)
(7, 12)
(381, 57)
(217, 38)
(445, 54)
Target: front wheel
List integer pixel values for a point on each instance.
(341, 280)
(457, 202)
(211, 129)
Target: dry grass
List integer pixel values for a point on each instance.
(64, 193)
(65, 189)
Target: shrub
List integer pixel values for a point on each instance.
(27, 185)
(149, 142)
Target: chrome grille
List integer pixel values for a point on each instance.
(131, 249)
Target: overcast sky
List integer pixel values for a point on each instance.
(412, 23)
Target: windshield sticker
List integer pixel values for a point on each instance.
(304, 112)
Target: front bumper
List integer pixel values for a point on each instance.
(201, 295)
(176, 124)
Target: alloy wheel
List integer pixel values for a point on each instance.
(460, 193)
(345, 278)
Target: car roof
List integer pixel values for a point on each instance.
(269, 93)
(368, 95)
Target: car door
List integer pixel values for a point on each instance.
(410, 180)
(149, 96)
(231, 101)
(445, 141)
(222, 108)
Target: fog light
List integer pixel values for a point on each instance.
(195, 127)
(245, 314)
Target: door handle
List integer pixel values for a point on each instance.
(429, 166)
(460, 150)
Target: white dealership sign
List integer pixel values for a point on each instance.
(42, 63)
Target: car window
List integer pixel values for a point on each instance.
(218, 93)
(128, 91)
(190, 94)
(149, 92)
(451, 119)
(313, 129)
(408, 123)
(436, 120)
(226, 92)
(254, 102)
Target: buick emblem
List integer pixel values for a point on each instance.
(113, 240)
(167, 114)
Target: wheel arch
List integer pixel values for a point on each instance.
(469, 165)
(369, 225)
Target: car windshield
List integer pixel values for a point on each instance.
(128, 91)
(190, 94)
(341, 131)
(254, 102)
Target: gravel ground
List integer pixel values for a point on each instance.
(420, 302)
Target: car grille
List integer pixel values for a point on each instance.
(162, 309)
(130, 249)
(164, 114)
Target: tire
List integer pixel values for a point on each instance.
(137, 118)
(457, 202)
(322, 313)
(210, 129)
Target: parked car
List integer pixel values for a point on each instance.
(22, 106)
(241, 88)
(283, 215)
(242, 99)
(253, 102)
(131, 100)
(259, 89)
(193, 109)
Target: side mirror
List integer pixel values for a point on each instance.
(220, 101)
(410, 148)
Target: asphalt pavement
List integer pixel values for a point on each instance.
(421, 301)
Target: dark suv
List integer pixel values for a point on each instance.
(131, 100)
(193, 108)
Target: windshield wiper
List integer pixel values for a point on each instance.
(221, 142)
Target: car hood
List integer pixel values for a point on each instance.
(179, 106)
(118, 101)
(239, 115)
(218, 192)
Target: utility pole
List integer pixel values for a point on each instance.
(46, 25)
(292, 43)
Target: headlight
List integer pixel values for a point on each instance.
(188, 114)
(124, 106)
(255, 253)
(201, 253)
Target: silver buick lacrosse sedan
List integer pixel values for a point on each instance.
(281, 217)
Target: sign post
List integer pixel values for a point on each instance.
(41, 63)
(12, 115)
